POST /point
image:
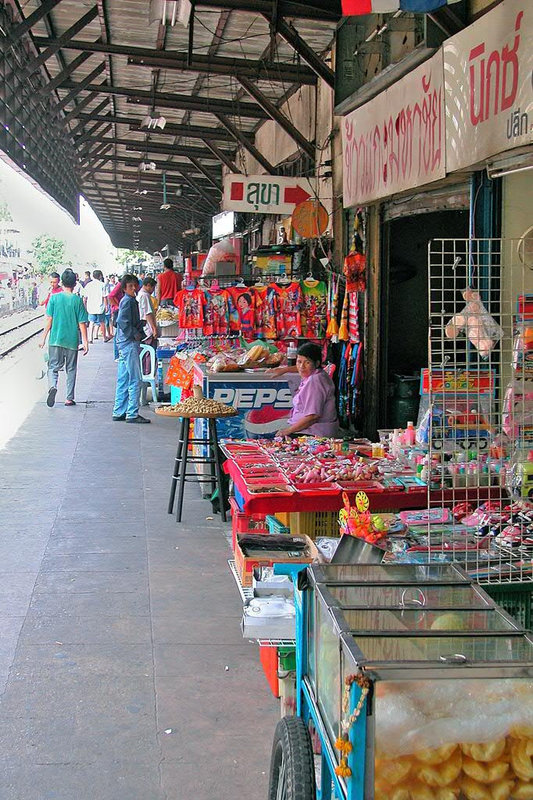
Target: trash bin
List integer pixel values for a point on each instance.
(403, 405)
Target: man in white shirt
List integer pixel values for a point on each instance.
(95, 302)
(146, 310)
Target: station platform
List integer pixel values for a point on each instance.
(124, 675)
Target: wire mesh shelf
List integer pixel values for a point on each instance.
(477, 406)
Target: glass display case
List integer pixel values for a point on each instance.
(448, 677)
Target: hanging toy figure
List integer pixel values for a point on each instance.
(344, 333)
(332, 331)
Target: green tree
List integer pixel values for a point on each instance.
(49, 253)
(131, 258)
(5, 213)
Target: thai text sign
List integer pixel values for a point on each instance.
(488, 71)
(265, 194)
(396, 141)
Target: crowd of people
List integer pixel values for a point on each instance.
(120, 310)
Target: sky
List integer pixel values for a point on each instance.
(34, 213)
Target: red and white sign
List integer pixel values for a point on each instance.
(396, 141)
(488, 71)
(266, 194)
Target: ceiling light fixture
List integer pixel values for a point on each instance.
(147, 166)
(169, 12)
(153, 122)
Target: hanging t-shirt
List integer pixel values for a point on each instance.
(190, 303)
(291, 303)
(267, 310)
(242, 315)
(216, 312)
(314, 309)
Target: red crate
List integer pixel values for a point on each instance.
(269, 661)
(245, 523)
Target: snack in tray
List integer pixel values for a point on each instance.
(489, 752)
(193, 406)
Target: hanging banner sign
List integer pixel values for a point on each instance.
(488, 71)
(396, 141)
(265, 194)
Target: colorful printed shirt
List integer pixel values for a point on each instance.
(190, 305)
(217, 304)
(267, 311)
(291, 303)
(314, 309)
(242, 315)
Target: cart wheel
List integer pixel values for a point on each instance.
(292, 769)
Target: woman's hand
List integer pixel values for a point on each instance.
(276, 372)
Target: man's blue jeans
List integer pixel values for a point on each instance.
(128, 380)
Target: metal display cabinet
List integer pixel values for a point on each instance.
(414, 683)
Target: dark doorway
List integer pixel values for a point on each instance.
(405, 346)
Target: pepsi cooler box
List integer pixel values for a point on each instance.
(263, 404)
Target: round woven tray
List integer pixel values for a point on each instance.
(166, 412)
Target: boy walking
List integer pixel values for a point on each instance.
(66, 317)
(130, 331)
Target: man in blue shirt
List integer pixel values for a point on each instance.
(130, 331)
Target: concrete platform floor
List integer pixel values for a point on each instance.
(123, 671)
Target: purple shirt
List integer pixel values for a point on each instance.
(316, 395)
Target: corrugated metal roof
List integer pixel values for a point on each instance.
(106, 176)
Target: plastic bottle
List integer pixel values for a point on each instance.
(410, 434)
(291, 354)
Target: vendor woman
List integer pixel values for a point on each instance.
(313, 406)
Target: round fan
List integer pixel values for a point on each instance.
(525, 248)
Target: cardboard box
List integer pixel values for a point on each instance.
(245, 565)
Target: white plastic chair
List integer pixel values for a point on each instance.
(148, 378)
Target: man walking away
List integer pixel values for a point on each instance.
(130, 331)
(168, 283)
(95, 302)
(65, 317)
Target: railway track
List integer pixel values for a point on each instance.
(8, 345)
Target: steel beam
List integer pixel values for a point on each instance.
(292, 37)
(218, 153)
(81, 105)
(27, 24)
(79, 87)
(147, 178)
(275, 114)
(246, 143)
(89, 140)
(169, 100)
(64, 74)
(200, 167)
(94, 116)
(140, 146)
(60, 42)
(217, 65)
(325, 10)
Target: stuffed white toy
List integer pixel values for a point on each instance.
(481, 329)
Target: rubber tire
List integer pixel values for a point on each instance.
(292, 746)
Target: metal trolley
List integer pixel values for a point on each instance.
(411, 685)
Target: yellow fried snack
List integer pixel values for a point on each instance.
(435, 755)
(502, 790)
(485, 772)
(521, 732)
(382, 790)
(521, 755)
(399, 793)
(485, 751)
(393, 771)
(523, 791)
(448, 793)
(473, 790)
(419, 791)
(442, 774)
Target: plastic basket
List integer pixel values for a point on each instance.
(516, 599)
(275, 526)
(314, 523)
